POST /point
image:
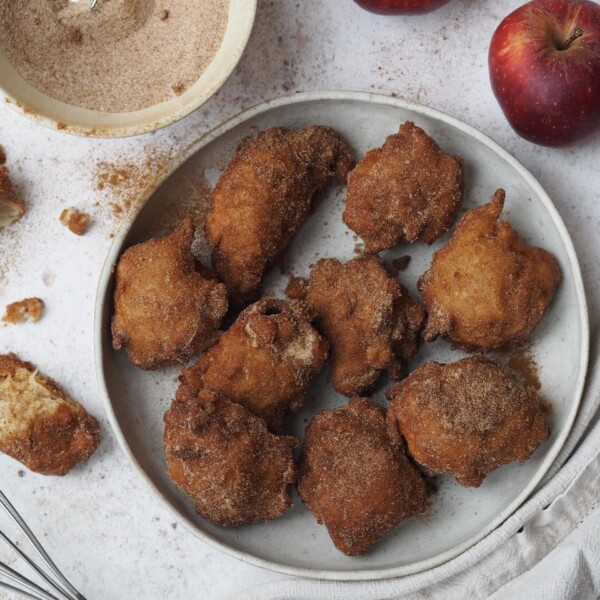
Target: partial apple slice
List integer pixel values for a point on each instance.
(11, 208)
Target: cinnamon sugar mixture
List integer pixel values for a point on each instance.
(123, 55)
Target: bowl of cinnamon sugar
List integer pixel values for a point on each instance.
(122, 67)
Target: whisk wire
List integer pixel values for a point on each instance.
(69, 593)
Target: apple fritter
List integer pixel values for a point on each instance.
(40, 426)
(264, 361)
(405, 191)
(223, 457)
(263, 197)
(165, 310)
(369, 318)
(466, 419)
(486, 288)
(354, 480)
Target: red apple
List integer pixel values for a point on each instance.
(545, 70)
(401, 7)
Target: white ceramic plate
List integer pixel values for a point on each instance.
(459, 517)
(41, 108)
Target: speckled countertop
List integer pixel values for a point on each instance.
(101, 524)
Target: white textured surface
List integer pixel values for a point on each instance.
(101, 523)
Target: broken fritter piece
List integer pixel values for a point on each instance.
(486, 288)
(369, 318)
(77, 222)
(40, 426)
(466, 419)
(165, 311)
(223, 457)
(11, 208)
(405, 191)
(264, 361)
(29, 310)
(263, 197)
(354, 480)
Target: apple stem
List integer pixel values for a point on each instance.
(577, 33)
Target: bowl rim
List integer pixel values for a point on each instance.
(245, 20)
(114, 252)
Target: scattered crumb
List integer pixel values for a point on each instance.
(401, 263)
(76, 222)
(60, 125)
(164, 15)
(178, 88)
(11, 208)
(29, 310)
(296, 288)
(21, 473)
(359, 248)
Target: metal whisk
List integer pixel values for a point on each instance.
(15, 582)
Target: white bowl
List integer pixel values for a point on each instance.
(459, 517)
(41, 108)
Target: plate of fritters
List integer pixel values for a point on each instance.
(342, 336)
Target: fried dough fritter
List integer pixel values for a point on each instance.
(466, 419)
(263, 197)
(165, 310)
(405, 191)
(265, 360)
(40, 426)
(370, 320)
(354, 480)
(29, 310)
(223, 457)
(486, 288)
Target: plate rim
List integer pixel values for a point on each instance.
(370, 98)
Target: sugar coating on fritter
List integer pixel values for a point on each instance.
(405, 191)
(226, 461)
(264, 361)
(165, 310)
(263, 197)
(11, 208)
(40, 426)
(486, 288)
(466, 419)
(369, 318)
(354, 480)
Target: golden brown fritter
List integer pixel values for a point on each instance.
(354, 480)
(466, 419)
(165, 311)
(40, 425)
(370, 320)
(405, 191)
(486, 288)
(264, 362)
(11, 207)
(225, 460)
(262, 198)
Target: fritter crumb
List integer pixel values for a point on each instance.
(76, 221)
(29, 310)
